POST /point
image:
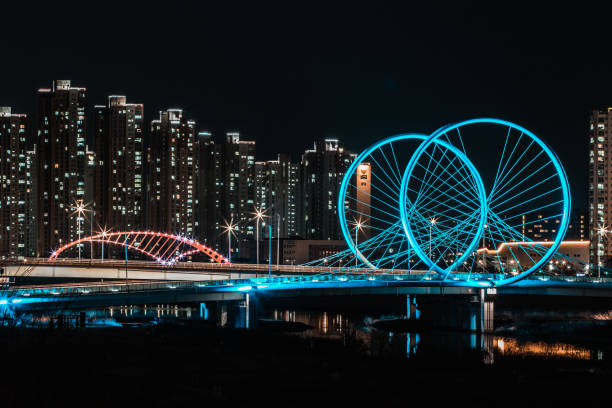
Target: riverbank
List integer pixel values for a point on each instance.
(172, 365)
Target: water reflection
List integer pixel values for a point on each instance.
(384, 335)
(486, 346)
(512, 347)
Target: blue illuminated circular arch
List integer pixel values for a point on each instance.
(560, 173)
(404, 216)
(364, 154)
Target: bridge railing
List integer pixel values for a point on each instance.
(120, 287)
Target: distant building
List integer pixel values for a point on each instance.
(600, 179)
(172, 168)
(322, 171)
(61, 162)
(17, 195)
(226, 186)
(278, 194)
(119, 190)
(207, 183)
(544, 227)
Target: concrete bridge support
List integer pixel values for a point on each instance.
(472, 313)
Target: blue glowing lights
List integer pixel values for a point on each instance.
(426, 205)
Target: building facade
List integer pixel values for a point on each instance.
(278, 194)
(61, 160)
(600, 187)
(172, 174)
(226, 192)
(207, 184)
(119, 189)
(17, 192)
(322, 171)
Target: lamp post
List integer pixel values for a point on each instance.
(601, 230)
(432, 222)
(259, 215)
(91, 234)
(229, 228)
(79, 209)
(278, 218)
(104, 232)
(484, 251)
(269, 251)
(358, 227)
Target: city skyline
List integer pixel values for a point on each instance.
(385, 77)
(109, 167)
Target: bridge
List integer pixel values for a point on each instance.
(457, 304)
(115, 292)
(97, 269)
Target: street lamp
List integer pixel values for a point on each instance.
(358, 227)
(104, 232)
(600, 231)
(259, 215)
(80, 209)
(484, 250)
(229, 229)
(278, 218)
(432, 222)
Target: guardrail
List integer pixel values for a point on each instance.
(121, 287)
(201, 266)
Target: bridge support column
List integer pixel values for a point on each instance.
(412, 311)
(221, 311)
(473, 313)
(248, 311)
(203, 311)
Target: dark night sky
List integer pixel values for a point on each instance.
(287, 74)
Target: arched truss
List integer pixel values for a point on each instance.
(386, 245)
(164, 248)
(529, 181)
(465, 202)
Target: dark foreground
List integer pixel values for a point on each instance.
(173, 365)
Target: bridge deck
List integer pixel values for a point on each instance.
(115, 293)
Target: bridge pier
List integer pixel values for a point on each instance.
(473, 313)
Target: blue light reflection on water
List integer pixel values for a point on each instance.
(343, 327)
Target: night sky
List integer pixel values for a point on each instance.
(285, 75)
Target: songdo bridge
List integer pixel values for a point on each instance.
(167, 249)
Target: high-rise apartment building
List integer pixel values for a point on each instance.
(208, 178)
(238, 193)
(322, 171)
(172, 168)
(226, 188)
(277, 194)
(600, 184)
(119, 190)
(61, 160)
(17, 195)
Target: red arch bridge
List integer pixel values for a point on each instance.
(162, 247)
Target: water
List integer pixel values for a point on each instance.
(545, 333)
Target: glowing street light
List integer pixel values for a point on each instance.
(432, 222)
(104, 232)
(259, 215)
(80, 209)
(229, 229)
(600, 231)
(358, 227)
(484, 248)
(278, 221)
